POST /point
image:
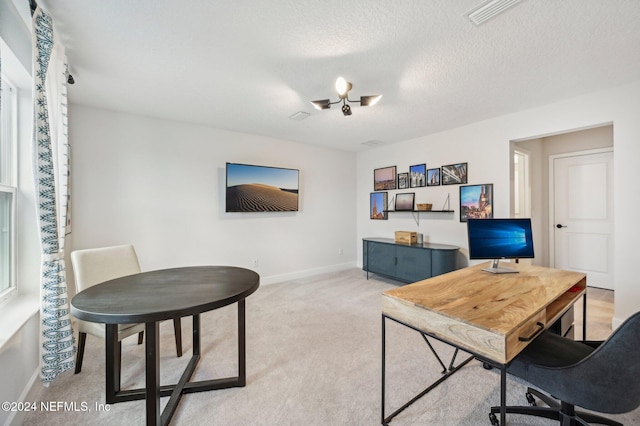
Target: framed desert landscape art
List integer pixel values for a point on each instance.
(433, 177)
(418, 175)
(378, 206)
(384, 178)
(476, 202)
(454, 174)
(252, 188)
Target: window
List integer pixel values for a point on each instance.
(8, 190)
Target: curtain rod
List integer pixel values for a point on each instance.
(34, 5)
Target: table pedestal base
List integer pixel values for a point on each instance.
(154, 390)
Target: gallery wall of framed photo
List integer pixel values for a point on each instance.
(392, 191)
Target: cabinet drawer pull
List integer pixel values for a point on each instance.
(534, 335)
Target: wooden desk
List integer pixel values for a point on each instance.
(491, 316)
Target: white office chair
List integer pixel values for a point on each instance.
(94, 266)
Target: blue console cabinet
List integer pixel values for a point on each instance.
(407, 262)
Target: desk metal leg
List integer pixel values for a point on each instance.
(503, 401)
(445, 375)
(383, 368)
(503, 394)
(584, 316)
(433, 351)
(152, 373)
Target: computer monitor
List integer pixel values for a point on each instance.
(500, 239)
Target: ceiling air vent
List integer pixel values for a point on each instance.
(490, 9)
(300, 115)
(373, 143)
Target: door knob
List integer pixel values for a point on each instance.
(560, 226)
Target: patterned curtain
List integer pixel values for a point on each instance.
(51, 169)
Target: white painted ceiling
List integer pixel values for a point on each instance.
(247, 66)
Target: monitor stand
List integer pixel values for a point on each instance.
(495, 269)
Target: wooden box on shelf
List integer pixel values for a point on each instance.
(406, 237)
(423, 207)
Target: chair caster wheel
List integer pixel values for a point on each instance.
(494, 420)
(530, 399)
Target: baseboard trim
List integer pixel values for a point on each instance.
(17, 417)
(273, 279)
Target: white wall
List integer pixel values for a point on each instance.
(485, 146)
(160, 185)
(14, 17)
(19, 361)
(487, 163)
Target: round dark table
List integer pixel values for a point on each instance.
(154, 296)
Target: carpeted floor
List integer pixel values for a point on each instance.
(313, 358)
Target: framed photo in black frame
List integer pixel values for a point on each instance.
(405, 201)
(403, 180)
(418, 175)
(378, 206)
(476, 202)
(384, 179)
(433, 177)
(454, 174)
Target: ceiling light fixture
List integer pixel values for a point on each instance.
(343, 87)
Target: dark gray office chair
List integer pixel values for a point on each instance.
(597, 376)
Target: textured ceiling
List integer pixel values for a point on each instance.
(247, 66)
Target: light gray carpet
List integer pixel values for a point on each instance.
(313, 358)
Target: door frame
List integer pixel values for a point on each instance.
(526, 174)
(552, 235)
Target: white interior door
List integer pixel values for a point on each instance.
(582, 215)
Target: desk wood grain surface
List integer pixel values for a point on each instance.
(483, 312)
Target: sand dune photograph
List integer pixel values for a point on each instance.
(253, 188)
(260, 198)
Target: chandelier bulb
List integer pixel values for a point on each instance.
(342, 87)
